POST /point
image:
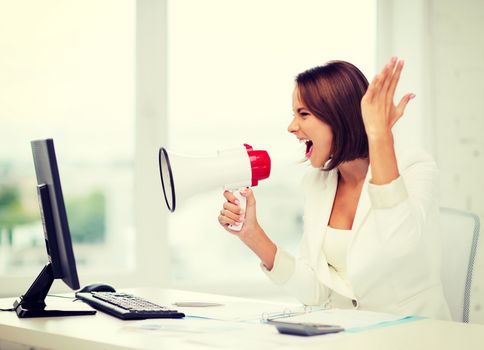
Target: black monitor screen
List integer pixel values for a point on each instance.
(54, 217)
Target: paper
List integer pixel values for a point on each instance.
(220, 326)
(221, 334)
(184, 325)
(196, 304)
(234, 311)
(346, 318)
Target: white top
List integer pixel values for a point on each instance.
(335, 248)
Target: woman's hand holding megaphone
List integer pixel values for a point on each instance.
(233, 214)
(251, 233)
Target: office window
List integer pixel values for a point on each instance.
(68, 74)
(231, 69)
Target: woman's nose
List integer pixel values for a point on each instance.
(293, 126)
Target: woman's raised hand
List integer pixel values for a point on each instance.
(377, 107)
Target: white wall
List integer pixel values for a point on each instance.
(402, 31)
(458, 61)
(442, 42)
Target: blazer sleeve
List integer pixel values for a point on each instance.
(297, 277)
(400, 209)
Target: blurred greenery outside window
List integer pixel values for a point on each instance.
(20, 224)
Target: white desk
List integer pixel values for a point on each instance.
(104, 332)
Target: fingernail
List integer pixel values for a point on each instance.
(412, 96)
(242, 211)
(237, 202)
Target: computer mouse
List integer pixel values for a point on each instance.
(97, 287)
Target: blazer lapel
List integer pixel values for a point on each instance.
(320, 203)
(364, 205)
(362, 211)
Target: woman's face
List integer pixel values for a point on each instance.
(309, 129)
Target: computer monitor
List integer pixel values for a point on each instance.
(62, 264)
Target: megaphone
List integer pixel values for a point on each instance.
(233, 169)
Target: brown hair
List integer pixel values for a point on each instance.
(333, 94)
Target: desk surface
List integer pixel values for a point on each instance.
(102, 331)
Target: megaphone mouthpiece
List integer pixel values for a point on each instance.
(260, 164)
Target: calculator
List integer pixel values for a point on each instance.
(303, 328)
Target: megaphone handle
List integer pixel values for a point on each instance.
(242, 204)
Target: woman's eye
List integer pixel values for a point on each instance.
(304, 114)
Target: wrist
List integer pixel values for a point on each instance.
(252, 235)
(383, 162)
(380, 136)
(261, 245)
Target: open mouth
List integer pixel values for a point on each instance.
(309, 148)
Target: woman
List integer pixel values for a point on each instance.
(371, 216)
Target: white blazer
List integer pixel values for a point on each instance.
(393, 259)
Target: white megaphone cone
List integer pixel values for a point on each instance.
(233, 169)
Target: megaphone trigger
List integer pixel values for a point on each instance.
(243, 205)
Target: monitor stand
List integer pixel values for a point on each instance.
(32, 303)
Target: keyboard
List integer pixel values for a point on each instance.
(126, 306)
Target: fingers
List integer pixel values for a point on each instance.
(231, 198)
(381, 82)
(234, 209)
(227, 217)
(394, 81)
(231, 214)
(373, 88)
(370, 92)
(225, 221)
(403, 104)
(378, 81)
(390, 73)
